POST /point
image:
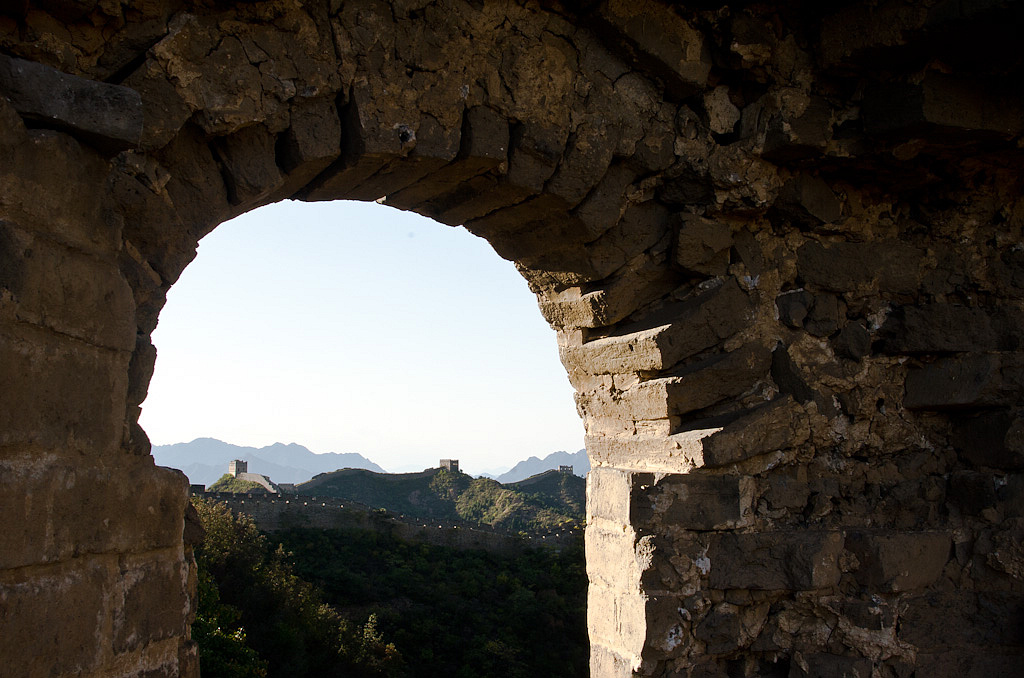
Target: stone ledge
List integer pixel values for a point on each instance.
(108, 116)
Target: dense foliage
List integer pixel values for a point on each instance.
(256, 617)
(229, 483)
(552, 500)
(450, 612)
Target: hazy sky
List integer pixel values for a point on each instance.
(354, 327)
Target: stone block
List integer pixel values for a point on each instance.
(794, 561)
(661, 340)
(151, 601)
(695, 387)
(800, 134)
(826, 314)
(485, 205)
(899, 561)
(853, 341)
(943, 103)
(794, 306)
(965, 382)
(608, 664)
(938, 328)
(1011, 501)
(54, 185)
(615, 558)
(435, 147)
(822, 665)
(12, 128)
(720, 630)
(779, 425)
(968, 663)
(586, 161)
(722, 112)
(313, 140)
(60, 394)
(476, 198)
(643, 227)
(609, 494)
(535, 154)
(108, 116)
(992, 439)
(617, 620)
(52, 618)
(702, 245)
(972, 492)
(249, 163)
(699, 502)
(164, 111)
(65, 290)
(58, 510)
(849, 266)
(603, 207)
(368, 145)
(649, 451)
(530, 230)
(484, 145)
(940, 621)
(704, 383)
(663, 43)
(788, 488)
(197, 193)
(855, 31)
(787, 376)
(140, 369)
(809, 201)
(641, 281)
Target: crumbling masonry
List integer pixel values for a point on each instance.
(780, 242)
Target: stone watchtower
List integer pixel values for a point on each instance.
(237, 466)
(450, 465)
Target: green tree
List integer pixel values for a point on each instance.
(456, 612)
(254, 599)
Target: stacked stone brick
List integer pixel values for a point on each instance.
(780, 243)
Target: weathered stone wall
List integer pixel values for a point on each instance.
(781, 244)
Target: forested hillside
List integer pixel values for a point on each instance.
(257, 618)
(457, 613)
(308, 603)
(545, 502)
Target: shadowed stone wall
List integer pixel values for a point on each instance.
(780, 243)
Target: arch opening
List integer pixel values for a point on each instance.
(364, 329)
(413, 316)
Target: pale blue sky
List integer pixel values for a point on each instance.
(354, 327)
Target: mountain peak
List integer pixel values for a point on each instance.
(578, 460)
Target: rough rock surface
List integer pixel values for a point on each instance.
(780, 244)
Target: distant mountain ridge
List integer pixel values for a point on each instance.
(204, 460)
(530, 467)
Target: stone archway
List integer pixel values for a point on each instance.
(781, 249)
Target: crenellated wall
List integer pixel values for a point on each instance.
(781, 245)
